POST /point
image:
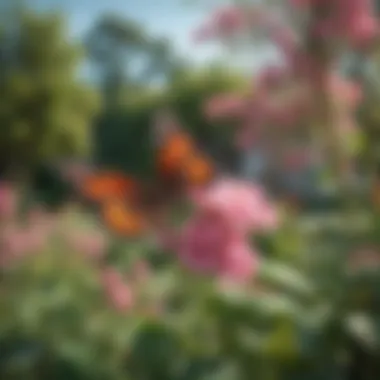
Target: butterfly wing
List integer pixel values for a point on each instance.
(178, 160)
(122, 218)
(102, 186)
(197, 170)
(117, 196)
(172, 155)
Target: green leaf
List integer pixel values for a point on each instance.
(156, 350)
(285, 278)
(283, 342)
(364, 328)
(263, 307)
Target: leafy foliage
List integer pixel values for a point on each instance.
(45, 110)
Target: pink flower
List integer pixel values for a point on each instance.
(345, 90)
(91, 245)
(8, 201)
(204, 33)
(203, 242)
(285, 39)
(240, 204)
(364, 28)
(12, 245)
(117, 291)
(227, 105)
(271, 76)
(209, 246)
(36, 238)
(41, 219)
(16, 243)
(228, 19)
(140, 271)
(241, 264)
(350, 20)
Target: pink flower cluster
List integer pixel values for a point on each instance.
(229, 21)
(8, 202)
(352, 20)
(91, 244)
(122, 292)
(18, 240)
(224, 22)
(226, 106)
(215, 239)
(285, 97)
(274, 103)
(116, 289)
(282, 101)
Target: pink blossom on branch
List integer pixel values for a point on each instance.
(272, 76)
(224, 22)
(363, 29)
(225, 106)
(242, 205)
(228, 19)
(345, 91)
(209, 246)
(352, 21)
(232, 20)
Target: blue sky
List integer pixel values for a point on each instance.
(175, 19)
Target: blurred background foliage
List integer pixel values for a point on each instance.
(50, 113)
(46, 111)
(123, 138)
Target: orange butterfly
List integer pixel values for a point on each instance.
(101, 186)
(127, 205)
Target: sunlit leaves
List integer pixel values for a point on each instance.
(45, 109)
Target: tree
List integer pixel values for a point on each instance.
(126, 56)
(45, 110)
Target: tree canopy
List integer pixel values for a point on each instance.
(45, 110)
